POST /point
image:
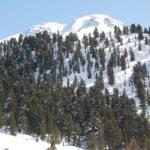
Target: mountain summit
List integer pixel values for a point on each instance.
(87, 24)
(82, 25)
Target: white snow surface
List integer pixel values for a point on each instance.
(26, 142)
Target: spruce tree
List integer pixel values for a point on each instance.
(146, 40)
(113, 134)
(1, 114)
(76, 134)
(91, 141)
(133, 145)
(133, 28)
(123, 62)
(12, 124)
(42, 127)
(102, 57)
(68, 127)
(53, 142)
(132, 55)
(100, 141)
(147, 143)
(110, 74)
(96, 33)
(140, 35)
(139, 47)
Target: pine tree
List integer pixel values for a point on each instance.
(99, 83)
(139, 47)
(140, 35)
(102, 36)
(125, 30)
(42, 127)
(146, 40)
(106, 42)
(85, 41)
(133, 145)
(96, 33)
(89, 73)
(12, 124)
(107, 96)
(68, 127)
(100, 141)
(132, 55)
(123, 62)
(138, 81)
(139, 28)
(141, 94)
(133, 28)
(49, 122)
(53, 141)
(102, 57)
(145, 30)
(113, 134)
(1, 114)
(147, 143)
(91, 141)
(25, 126)
(110, 74)
(1, 87)
(76, 134)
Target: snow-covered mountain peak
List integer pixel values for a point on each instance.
(51, 27)
(80, 26)
(87, 24)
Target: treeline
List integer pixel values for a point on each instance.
(34, 101)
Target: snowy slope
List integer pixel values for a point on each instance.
(25, 142)
(86, 25)
(122, 78)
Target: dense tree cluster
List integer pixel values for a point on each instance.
(33, 99)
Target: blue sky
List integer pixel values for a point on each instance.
(19, 15)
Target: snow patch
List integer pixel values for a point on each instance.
(26, 142)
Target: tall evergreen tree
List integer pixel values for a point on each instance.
(96, 33)
(12, 124)
(100, 141)
(91, 141)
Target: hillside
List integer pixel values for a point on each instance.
(87, 84)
